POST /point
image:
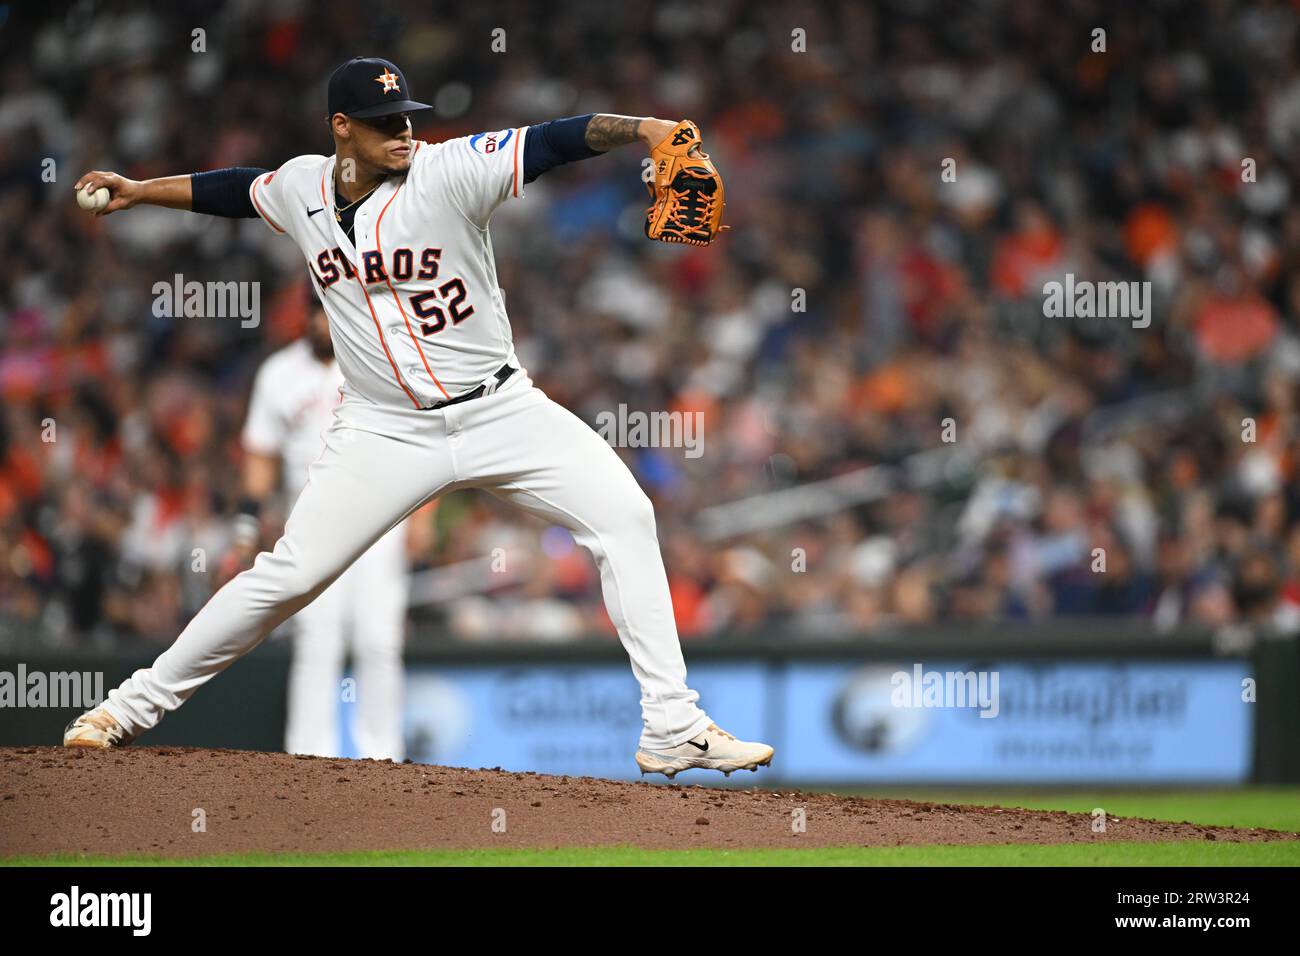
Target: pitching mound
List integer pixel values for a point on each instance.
(186, 802)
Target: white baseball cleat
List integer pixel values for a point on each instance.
(714, 749)
(95, 728)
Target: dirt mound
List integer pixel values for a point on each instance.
(151, 800)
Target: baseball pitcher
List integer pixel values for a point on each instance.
(395, 235)
(294, 396)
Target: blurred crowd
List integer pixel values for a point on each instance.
(902, 179)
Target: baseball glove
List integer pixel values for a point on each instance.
(686, 196)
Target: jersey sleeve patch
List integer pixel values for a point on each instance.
(477, 173)
(486, 144)
(503, 153)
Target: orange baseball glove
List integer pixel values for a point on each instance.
(687, 198)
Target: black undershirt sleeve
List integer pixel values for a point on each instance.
(552, 144)
(224, 192)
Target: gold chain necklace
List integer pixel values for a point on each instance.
(338, 213)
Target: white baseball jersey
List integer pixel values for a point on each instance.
(294, 397)
(415, 311)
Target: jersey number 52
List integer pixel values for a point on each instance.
(425, 305)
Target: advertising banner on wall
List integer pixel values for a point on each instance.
(941, 722)
(1040, 723)
(580, 719)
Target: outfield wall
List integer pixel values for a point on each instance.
(1077, 706)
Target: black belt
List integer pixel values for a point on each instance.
(503, 373)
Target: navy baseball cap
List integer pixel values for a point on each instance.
(366, 87)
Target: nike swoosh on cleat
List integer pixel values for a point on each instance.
(703, 746)
(312, 212)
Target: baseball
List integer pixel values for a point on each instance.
(92, 201)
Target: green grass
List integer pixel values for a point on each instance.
(1113, 854)
(1276, 808)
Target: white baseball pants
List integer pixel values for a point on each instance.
(380, 463)
(365, 609)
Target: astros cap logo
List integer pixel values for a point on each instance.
(389, 80)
